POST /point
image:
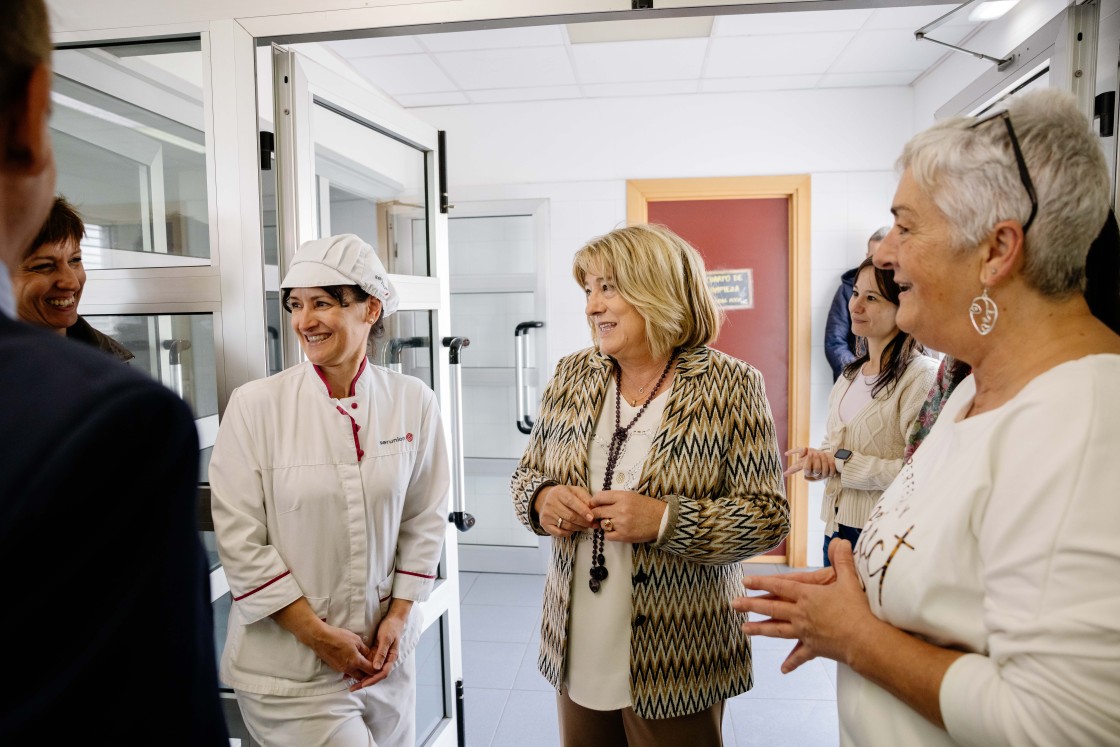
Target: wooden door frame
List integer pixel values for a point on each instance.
(795, 189)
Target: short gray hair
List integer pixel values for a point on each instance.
(880, 234)
(972, 176)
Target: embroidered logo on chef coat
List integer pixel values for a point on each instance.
(398, 439)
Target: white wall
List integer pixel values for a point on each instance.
(578, 156)
(994, 39)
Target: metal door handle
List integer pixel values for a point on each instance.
(520, 340)
(397, 344)
(459, 517)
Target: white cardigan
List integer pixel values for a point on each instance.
(876, 436)
(298, 514)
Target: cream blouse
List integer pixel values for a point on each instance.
(598, 672)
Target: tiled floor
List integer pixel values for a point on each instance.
(509, 704)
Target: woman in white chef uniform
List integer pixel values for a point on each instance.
(329, 484)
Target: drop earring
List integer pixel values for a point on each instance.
(983, 313)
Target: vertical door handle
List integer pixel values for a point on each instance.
(397, 344)
(520, 342)
(175, 349)
(459, 517)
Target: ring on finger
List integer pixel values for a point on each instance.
(559, 523)
(608, 525)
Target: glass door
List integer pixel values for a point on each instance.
(498, 301)
(349, 162)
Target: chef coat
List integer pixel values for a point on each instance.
(342, 501)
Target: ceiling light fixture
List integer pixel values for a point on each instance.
(1006, 5)
(646, 29)
(991, 10)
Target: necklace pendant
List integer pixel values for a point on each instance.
(599, 573)
(594, 585)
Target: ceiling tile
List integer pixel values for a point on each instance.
(376, 47)
(760, 83)
(445, 98)
(913, 18)
(403, 74)
(508, 68)
(536, 93)
(806, 21)
(872, 51)
(867, 80)
(528, 36)
(787, 54)
(616, 62)
(642, 88)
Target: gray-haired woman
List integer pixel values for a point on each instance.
(981, 604)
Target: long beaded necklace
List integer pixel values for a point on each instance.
(614, 450)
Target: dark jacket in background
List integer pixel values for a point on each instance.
(839, 342)
(108, 630)
(83, 331)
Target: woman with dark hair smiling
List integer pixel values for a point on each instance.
(870, 409)
(49, 281)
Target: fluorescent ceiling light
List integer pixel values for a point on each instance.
(125, 122)
(647, 29)
(991, 10)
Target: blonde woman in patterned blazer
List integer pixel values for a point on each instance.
(653, 465)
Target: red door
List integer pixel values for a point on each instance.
(747, 234)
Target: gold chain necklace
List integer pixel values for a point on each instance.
(642, 389)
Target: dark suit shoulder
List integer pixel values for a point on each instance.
(35, 363)
(54, 391)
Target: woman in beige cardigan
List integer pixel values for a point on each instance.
(653, 464)
(870, 410)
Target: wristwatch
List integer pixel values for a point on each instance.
(841, 454)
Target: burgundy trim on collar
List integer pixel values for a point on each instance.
(353, 381)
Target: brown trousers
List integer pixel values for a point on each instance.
(583, 727)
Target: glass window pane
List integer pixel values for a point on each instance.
(128, 129)
(374, 186)
(431, 682)
(492, 245)
(407, 345)
(177, 349)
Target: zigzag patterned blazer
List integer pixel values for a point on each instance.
(715, 462)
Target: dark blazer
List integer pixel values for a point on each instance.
(839, 342)
(107, 629)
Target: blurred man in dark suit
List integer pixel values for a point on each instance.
(839, 342)
(107, 630)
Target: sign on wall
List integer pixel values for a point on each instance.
(733, 289)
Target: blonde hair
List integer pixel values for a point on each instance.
(663, 277)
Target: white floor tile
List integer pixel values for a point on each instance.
(508, 589)
(491, 665)
(529, 719)
(505, 624)
(510, 704)
(482, 711)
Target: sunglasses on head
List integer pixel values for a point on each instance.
(1024, 175)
